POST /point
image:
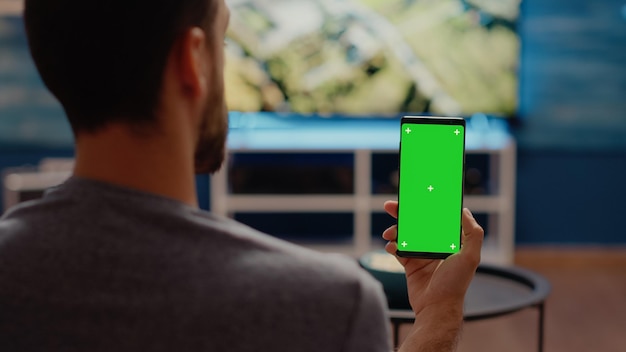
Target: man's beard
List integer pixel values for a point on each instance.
(213, 130)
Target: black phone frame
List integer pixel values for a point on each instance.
(433, 120)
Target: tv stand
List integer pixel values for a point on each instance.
(363, 139)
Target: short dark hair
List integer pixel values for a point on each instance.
(104, 59)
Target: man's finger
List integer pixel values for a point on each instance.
(472, 234)
(391, 234)
(391, 207)
(391, 248)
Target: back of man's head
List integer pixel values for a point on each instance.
(104, 59)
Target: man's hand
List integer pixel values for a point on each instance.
(437, 287)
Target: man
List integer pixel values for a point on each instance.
(119, 258)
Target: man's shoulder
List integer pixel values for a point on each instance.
(87, 209)
(130, 222)
(283, 256)
(186, 255)
(292, 266)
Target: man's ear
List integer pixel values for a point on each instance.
(193, 62)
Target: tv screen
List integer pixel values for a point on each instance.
(373, 57)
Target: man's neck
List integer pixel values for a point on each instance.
(160, 165)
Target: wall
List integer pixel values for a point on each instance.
(571, 197)
(572, 142)
(573, 75)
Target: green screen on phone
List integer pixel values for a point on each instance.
(431, 187)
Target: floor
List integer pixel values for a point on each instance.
(586, 310)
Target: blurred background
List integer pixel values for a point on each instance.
(554, 70)
(550, 74)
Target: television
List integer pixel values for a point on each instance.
(373, 57)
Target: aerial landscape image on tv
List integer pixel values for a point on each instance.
(373, 57)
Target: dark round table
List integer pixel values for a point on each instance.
(494, 291)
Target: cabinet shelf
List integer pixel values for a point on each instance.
(484, 204)
(291, 203)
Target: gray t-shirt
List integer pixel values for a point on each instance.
(96, 267)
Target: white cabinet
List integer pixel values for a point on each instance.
(362, 140)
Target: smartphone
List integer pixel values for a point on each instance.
(430, 194)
